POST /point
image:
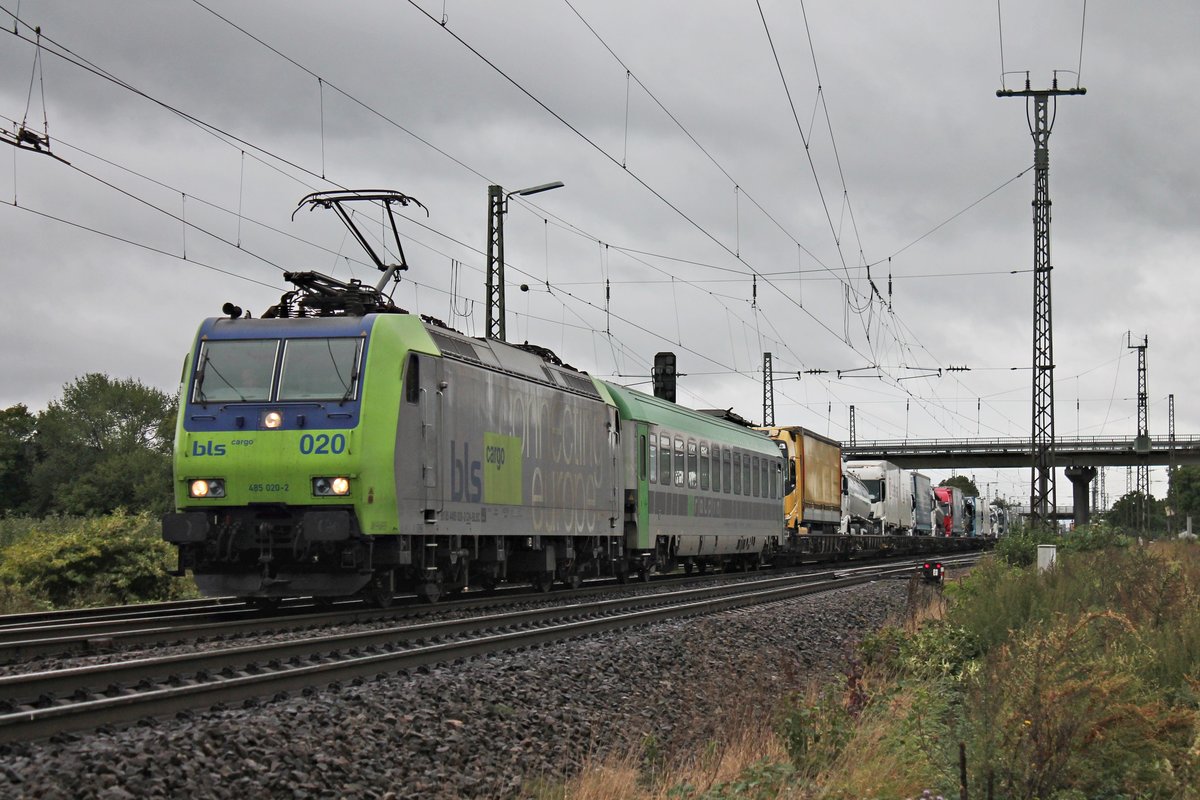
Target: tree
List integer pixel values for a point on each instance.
(964, 483)
(17, 427)
(105, 445)
(1127, 510)
(1183, 496)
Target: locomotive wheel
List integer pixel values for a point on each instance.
(543, 581)
(379, 597)
(264, 603)
(688, 566)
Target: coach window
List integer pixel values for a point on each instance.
(755, 479)
(412, 380)
(642, 459)
(766, 478)
(680, 464)
(775, 493)
(726, 470)
(737, 472)
(704, 456)
(693, 466)
(664, 460)
(653, 458)
(746, 474)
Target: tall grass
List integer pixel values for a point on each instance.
(1079, 682)
(748, 761)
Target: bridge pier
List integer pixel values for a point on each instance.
(1080, 477)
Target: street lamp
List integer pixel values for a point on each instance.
(497, 208)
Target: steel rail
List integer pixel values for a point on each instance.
(20, 643)
(23, 642)
(261, 670)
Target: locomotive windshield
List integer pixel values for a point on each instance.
(236, 371)
(244, 370)
(319, 369)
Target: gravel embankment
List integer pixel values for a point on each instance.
(478, 729)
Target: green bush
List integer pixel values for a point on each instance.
(1065, 707)
(116, 559)
(13, 529)
(814, 730)
(1019, 548)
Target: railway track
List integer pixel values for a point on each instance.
(24, 637)
(41, 704)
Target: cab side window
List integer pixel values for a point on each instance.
(412, 380)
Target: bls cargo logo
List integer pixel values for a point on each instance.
(207, 449)
(495, 480)
(465, 482)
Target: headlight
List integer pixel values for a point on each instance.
(272, 420)
(207, 487)
(331, 487)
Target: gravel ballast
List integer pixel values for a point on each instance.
(475, 729)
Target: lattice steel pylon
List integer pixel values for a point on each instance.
(768, 392)
(1142, 442)
(1041, 120)
(494, 329)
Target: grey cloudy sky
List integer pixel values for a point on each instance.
(190, 143)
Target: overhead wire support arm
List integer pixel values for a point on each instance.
(24, 137)
(31, 141)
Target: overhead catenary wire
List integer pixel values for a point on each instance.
(316, 174)
(594, 145)
(68, 55)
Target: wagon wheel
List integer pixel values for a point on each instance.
(430, 590)
(543, 581)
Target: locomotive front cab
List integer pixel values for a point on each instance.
(268, 463)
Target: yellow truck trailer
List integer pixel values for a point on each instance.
(813, 484)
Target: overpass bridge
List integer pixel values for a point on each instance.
(1079, 456)
(1060, 512)
(997, 453)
